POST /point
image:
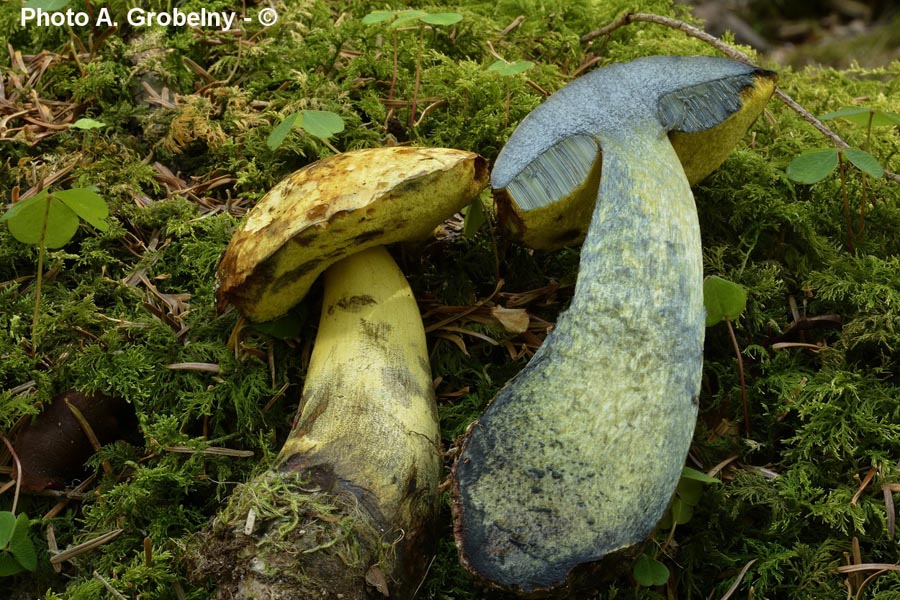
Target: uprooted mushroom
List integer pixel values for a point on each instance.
(575, 460)
(349, 506)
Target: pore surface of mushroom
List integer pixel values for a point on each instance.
(349, 507)
(579, 454)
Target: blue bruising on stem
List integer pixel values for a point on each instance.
(608, 402)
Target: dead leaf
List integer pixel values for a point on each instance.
(514, 320)
(375, 577)
(53, 447)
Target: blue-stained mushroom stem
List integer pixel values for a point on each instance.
(578, 456)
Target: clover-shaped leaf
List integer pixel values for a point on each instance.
(695, 475)
(20, 545)
(378, 16)
(506, 69)
(87, 124)
(864, 161)
(47, 5)
(407, 16)
(55, 215)
(447, 18)
(402, 17)
(813, 166)
(649, 571)
(863, 116)
(723, 299)
(7, 525)
(17, 552)
(320, 123)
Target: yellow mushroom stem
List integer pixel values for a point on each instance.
(368, 408)
(348, 508)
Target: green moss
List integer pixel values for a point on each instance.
(819, 420)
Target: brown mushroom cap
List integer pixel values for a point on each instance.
(336, 207)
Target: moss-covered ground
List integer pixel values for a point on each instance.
(182, 157)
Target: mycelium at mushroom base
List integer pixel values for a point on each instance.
(577, 457)
(349, 507)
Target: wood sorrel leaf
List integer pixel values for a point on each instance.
(321, 123)
(723, 299)
(47, 5)
(814, 166)
(861, 116)
(20, 544)
(864, 161)
(281, 130)
(87, 204)
(447, 18)
(7, 524)
(28, 222)
(695, 475)
(378, 16)
(649, 571)
(87, 124)
(407, 16)
(508, 69)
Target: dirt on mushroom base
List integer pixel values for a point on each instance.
(303, 542)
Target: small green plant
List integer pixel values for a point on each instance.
(17, 552)
(50, 220)
(403, 17)
(86, 123)
(647, 570)
(319, 123)
(725, 301)
(509, 70)
(817, 164)
(47, 5)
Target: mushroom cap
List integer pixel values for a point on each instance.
(336, 207)
(547, 175)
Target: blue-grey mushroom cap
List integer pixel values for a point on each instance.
(674, 93)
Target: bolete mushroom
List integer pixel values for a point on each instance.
(350, 503)
(577, 457)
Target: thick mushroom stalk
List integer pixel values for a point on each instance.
(349, 507)
(578, 456)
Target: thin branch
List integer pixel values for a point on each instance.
(730, 52)
(109, 588)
